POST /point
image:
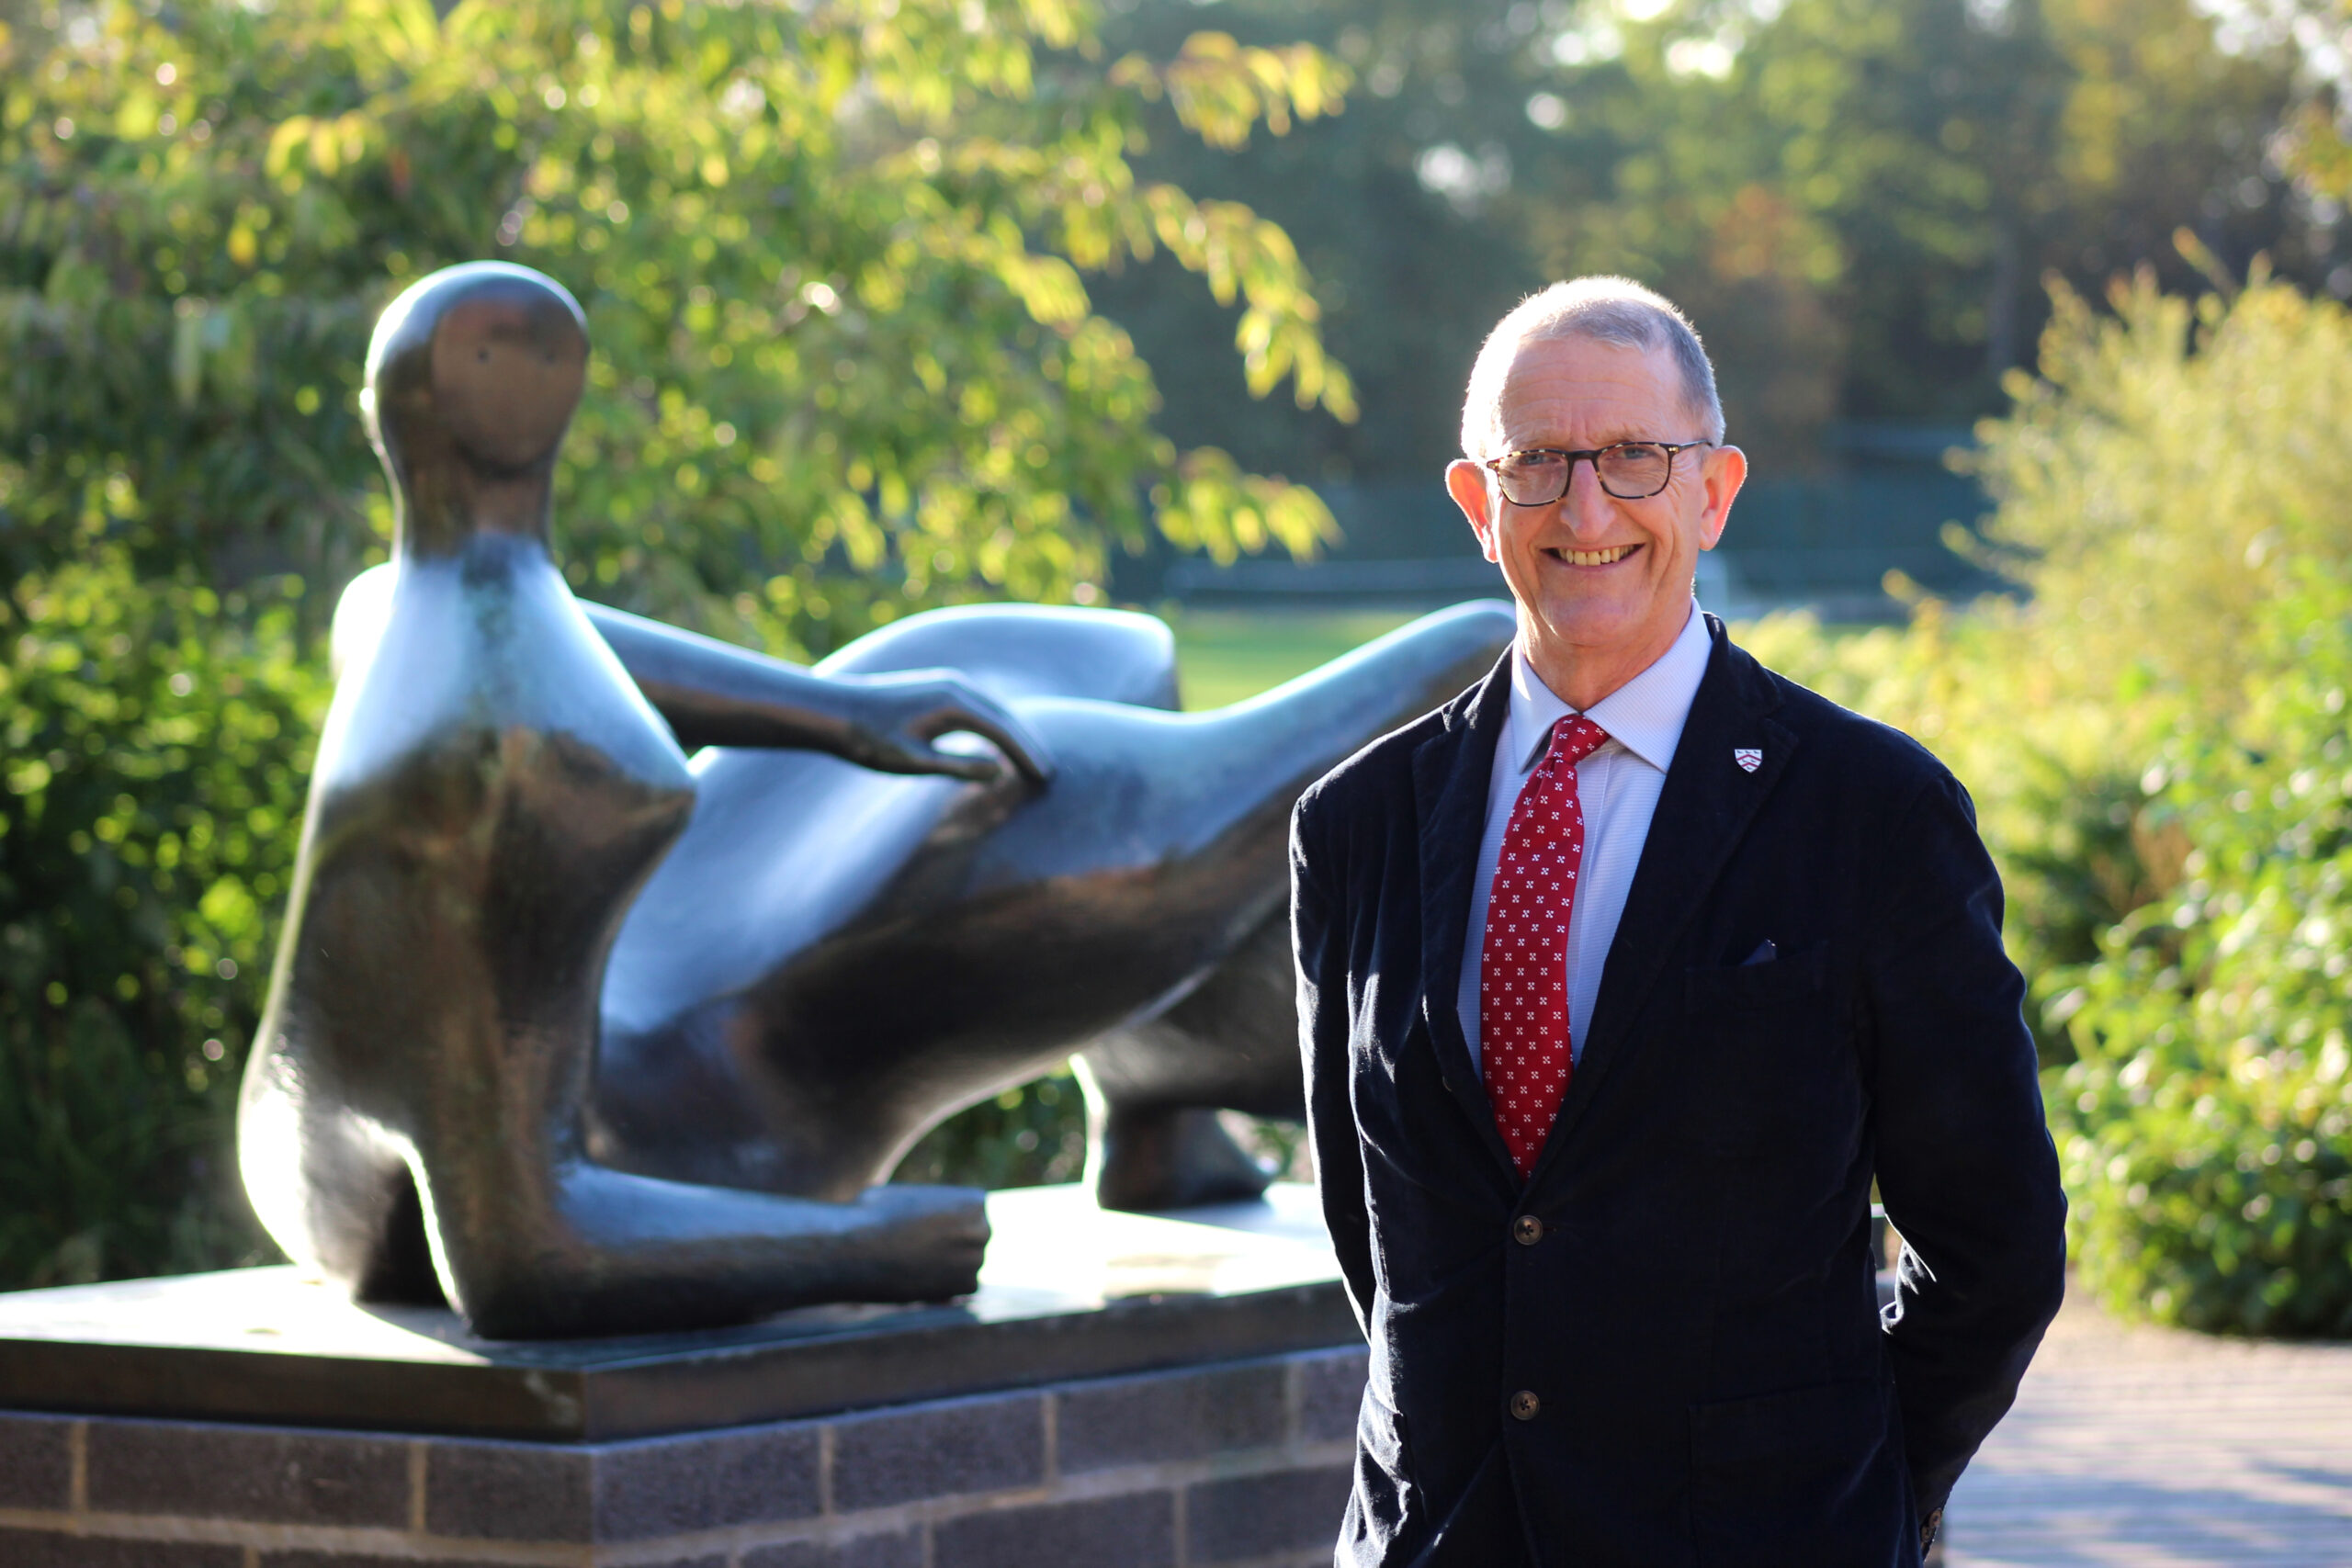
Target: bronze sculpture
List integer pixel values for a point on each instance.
(593, 1039)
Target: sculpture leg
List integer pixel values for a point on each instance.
(600, 1251)
(1153, 1091)
(832, 961)
(1150, 1144)
(539, 1243)
(1027, 651)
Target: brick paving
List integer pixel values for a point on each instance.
(2157, 1448)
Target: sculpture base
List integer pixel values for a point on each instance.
(1124, 1389)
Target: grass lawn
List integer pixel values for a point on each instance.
(1222, 655)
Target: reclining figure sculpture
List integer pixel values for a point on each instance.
(587, 1038)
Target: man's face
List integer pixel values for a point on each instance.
(1603, 584)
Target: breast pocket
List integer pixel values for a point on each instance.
(1757, 987)
(1762, 1046)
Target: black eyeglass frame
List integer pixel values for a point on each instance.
(1494, 466)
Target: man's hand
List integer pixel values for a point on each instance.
(899, 715)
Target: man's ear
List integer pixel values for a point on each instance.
(1466, 482)
(1724, 472)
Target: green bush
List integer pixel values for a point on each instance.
(2207, 1128)
(1025, 1137)
(156, 737)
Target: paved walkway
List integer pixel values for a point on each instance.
(2158, 1448)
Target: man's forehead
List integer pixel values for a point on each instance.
(1582, 388)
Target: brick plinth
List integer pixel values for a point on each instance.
(1238, 1464)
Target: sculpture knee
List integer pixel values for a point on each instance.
(1028, 650)
(1145, 1161)
(1231, 1043)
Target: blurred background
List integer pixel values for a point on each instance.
(2027, 313)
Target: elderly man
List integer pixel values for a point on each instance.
(1622, 977)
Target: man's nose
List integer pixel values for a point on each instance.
(1587, 507)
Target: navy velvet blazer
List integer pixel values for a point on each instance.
(1693, 1309)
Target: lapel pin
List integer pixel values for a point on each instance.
(1749, 756)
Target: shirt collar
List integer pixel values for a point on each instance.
(1644, 715)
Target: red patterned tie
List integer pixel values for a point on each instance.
(1524, 1048)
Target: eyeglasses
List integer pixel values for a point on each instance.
(1629, 470)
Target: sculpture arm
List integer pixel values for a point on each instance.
(714, 695)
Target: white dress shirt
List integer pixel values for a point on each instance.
(1618, 787)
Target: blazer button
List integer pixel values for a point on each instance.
(1524, 1404)
(1527, 1230)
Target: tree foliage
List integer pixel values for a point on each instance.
(833, 254)
(152, 736)
(2172, 460)
(1858, 201)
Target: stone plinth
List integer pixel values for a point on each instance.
(1123, 1390)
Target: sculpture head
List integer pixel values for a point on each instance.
(472, 378)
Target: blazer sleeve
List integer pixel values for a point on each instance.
(1965, 1164)
(1319, 946)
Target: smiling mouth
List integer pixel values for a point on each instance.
(1609, 557)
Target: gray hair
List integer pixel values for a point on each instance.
(1605, 310)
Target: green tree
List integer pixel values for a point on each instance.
(2160, 476)
(1858, 199)
(832, 255)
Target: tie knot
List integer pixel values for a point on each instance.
(1574, 739)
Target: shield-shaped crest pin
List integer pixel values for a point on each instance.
(1747, 757)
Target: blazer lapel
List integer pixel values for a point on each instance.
(1451, 773)
(1708, 801)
